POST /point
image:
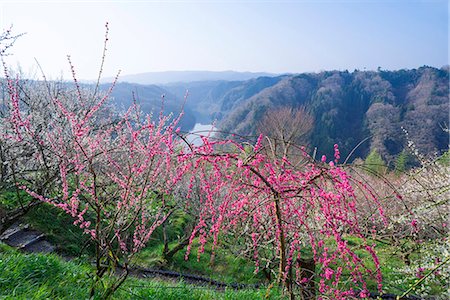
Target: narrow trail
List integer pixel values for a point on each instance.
(22, 237)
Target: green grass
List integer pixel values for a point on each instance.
(392, 265)
(225, 267)
(137, 289)
(38, 276)
(57, 225)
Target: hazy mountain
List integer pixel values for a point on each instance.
(186, 76)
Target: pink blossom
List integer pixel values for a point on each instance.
(364, 294)
(328, 273)
(414, 225)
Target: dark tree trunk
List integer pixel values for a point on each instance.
(307, 270)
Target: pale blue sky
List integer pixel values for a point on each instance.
(271, 36)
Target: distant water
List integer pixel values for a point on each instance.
(200, 130)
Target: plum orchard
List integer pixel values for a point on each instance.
(115, 175)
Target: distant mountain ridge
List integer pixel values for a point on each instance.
(169, 77)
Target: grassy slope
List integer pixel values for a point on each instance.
(37, 276)
(226, 267)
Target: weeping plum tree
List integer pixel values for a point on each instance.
(116, 173)
(276, 203)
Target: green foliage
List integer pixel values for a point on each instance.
(34, 276)
(444, 159)
(175, 228)
(401, 163)
(375, 163)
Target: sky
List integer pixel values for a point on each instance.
(258, 36)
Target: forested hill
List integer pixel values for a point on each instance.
(349, 107)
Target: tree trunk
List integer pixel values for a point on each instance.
(180, 246)
(307, 270)
(282, 248)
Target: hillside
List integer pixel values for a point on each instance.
(349, 107)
